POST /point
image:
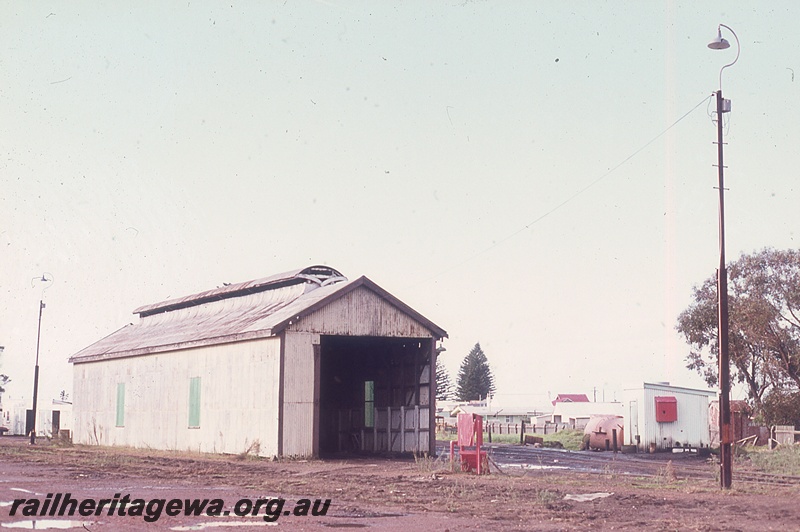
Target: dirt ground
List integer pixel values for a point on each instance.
(384, 493)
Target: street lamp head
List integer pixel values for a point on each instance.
(46, 277)
(719, 43)
(722, 44)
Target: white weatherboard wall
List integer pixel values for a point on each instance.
(691, 427)
(238, 399)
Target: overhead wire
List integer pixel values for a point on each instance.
(567, 200)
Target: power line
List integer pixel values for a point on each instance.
(568, 199)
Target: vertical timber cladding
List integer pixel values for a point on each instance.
(359, 338)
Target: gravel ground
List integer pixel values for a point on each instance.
(533, 489)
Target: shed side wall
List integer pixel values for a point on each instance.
(238, 399)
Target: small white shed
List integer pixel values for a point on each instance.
(666, 417)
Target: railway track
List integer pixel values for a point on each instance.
(681, 465)
(765, 478)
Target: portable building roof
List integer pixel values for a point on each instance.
(668, 388)
(236, 312)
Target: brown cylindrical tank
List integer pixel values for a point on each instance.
(600, 430)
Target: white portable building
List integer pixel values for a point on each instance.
(662, 417)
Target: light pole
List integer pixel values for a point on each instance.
(43, 279)
(725, 432)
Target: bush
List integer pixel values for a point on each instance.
(781, 407)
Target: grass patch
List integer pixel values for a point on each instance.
(545, 497)
(431, 464)
(251, 451)
(502, 438)
(785, 460)
(567, 439)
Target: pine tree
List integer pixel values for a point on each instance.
(444, 388)
(475, 379)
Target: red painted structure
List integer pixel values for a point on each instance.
(469, 442)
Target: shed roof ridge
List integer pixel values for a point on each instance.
(315, 273)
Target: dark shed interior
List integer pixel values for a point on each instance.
(361, 374)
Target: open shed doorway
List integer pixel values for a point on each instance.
(375, 394)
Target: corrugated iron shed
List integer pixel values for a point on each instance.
(284, 361)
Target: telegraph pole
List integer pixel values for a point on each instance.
(36, 374)
(725, 433)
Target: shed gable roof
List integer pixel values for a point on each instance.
(245, 311)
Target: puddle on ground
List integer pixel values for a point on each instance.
(44, 524)
(532, 466)
(220, 524)
(586, 497)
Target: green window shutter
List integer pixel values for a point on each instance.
(121, 404)
(369, 403)
(194, 402)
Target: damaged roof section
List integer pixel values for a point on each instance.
(235, 312)
(314, 276)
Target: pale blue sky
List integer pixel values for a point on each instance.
(152, 150)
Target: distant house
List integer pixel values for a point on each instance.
(577, 414)
(540, 420)
(664, 417)
(570, 398)
(494, 414)
(297, 364)
(14, 416)
(17, 418)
